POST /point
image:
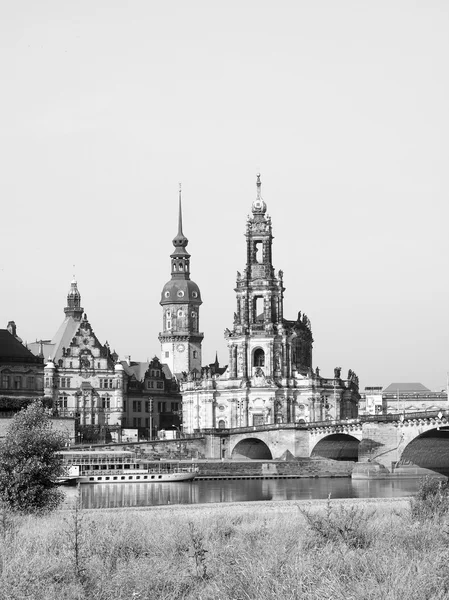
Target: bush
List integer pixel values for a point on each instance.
(345, 524)
(29, 464)
(431, 501)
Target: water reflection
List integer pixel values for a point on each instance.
(116, 495)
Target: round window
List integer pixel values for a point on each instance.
(167, 294)
(194, 294)
(180, 294)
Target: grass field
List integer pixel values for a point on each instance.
(282, 550)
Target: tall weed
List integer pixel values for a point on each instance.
(347, 525)
(431, 501)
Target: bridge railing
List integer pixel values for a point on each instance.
(331, 423)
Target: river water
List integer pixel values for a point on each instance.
(116, 495)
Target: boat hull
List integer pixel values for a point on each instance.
(137, 478)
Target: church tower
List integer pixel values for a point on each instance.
(180, 300)
(262, 342)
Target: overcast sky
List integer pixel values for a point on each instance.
(342, 106)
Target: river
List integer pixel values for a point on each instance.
(116, 495)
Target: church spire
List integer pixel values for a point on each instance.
(180, 241)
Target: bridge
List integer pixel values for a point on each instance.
(420, 439)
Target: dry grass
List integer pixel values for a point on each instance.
(257, 551)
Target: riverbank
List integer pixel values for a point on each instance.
(310, 549)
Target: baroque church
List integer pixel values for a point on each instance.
(270, 377)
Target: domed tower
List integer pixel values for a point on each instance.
(180, 300)
(74, 308)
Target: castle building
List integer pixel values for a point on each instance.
(181, 300)
(270, 378)
(82, 378)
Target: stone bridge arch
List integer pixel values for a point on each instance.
(339, 442)
(269, 444)
(429, 450)
(251, 448)
(407, 442)
(337, 446)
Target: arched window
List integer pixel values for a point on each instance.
(221, 424)
(259, 358)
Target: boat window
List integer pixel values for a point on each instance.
(114, 478)
(130, 476)
(91, 478)
(145, 476)
(138, 477)
(122, 477)
(152, 476)
(99, 478)
(160, 477)
(107, 478)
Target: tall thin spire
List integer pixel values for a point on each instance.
(180, 212)
(180, 241)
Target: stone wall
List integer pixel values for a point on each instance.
(306, 467)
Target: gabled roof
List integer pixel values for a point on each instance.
(138, 369)
(11, 348)
(405, 387)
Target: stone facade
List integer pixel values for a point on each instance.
(82, 377)
(153, 399)
(270, 378)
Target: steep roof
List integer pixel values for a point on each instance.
(405, 387)
(11, 348)
(61, 339)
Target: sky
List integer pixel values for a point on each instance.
(342, 107)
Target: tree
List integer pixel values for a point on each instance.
(29, 463)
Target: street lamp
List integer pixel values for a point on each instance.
(150, 406)
(178, 430)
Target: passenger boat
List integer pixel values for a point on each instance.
(120, 466)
